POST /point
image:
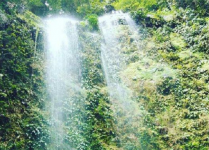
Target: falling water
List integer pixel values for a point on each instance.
(62, 75)
(116, 28)
(64, 81)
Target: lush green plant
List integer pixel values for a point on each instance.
(21, 86)
(135, 4)
(91, 7)
(200, 6)
(93, 21)
(92, 126)
(176, 109)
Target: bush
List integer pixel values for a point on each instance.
(200, 6)
(136, 4)
(93, 21)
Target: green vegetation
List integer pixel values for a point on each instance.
(96, 126)
(79, 8)
(93, 21)
(22, 125)
(177, 104)
(168, 75)
(135, 4)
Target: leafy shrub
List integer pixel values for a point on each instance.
(21, 86)
(92, 7)
(136, 4)
(93, 21)
(166, 86)
(200, 6)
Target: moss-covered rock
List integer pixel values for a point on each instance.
(21, 86)
(177, 41)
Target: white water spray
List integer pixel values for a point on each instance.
(125, 110)
(62, 75)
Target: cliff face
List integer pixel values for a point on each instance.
(168, 77)
(177, 102)
(24, 118)
(21, 83)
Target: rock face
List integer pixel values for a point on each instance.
(21, 83)
(173, 99)
(141, 87)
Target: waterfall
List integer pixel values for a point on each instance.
(62, 76)
(117, 30)
(63, 80)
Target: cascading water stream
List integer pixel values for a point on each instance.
(62, 75)
(116, 28)
(63, 79)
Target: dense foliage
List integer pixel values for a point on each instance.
(168, 76)
(80, 8)
(22, 125)
(90, 124)
(178, 106)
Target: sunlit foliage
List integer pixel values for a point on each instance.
(176, 107)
